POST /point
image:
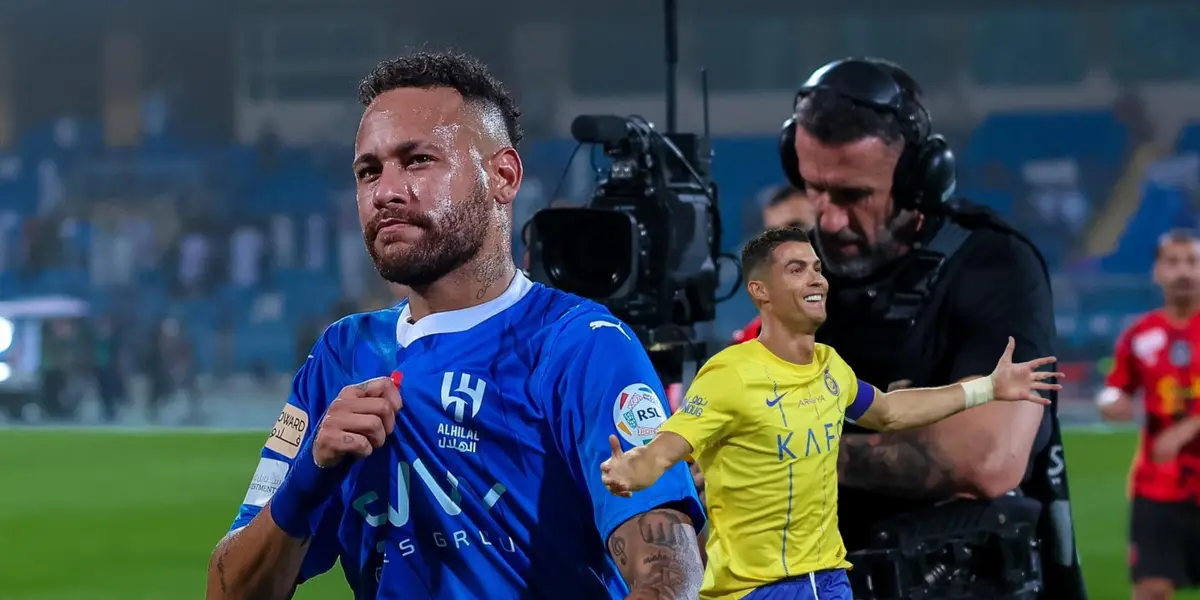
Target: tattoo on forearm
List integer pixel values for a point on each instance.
(898, 463)
(221, 567)
(664, 579)
(663, 562)
(662, 528)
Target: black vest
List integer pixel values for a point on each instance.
(889, 327)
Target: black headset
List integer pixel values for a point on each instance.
(925, 175)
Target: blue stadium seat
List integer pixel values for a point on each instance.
(1189, 139)
(291, 190)
(18, 185)
(1157, 212)
(1016, 138)
(61, 138)
(270, 345)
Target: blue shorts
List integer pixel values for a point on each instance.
(822, 585)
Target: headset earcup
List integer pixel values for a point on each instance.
(937, 169)
(787, 154)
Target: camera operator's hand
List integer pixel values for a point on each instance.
(358, 421)
(1021, 381)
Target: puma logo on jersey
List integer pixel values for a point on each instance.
(600, 324)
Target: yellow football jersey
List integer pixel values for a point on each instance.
(765, 433)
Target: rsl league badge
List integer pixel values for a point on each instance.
(1180, 353)
(638, 413)
(830, 383)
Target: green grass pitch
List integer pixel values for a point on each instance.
(94, 515)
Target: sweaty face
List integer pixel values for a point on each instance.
(794, 211)
(851, 189)
(422, 199)
(1177, 269)
(793, 287)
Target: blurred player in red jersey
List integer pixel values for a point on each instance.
(1157, 356)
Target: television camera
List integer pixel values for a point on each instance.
(648, 242)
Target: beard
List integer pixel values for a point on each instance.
(442, 247)
(869, 258)
(1182, 286)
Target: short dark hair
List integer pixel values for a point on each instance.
(834, 119)
(1175, 236)
(462, 72)
(757, 252)
(775, 195)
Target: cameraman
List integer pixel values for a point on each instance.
(924, 289)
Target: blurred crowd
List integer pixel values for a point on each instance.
(174, 277)
(199, 200)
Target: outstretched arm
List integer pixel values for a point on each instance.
(638, 469)
(658, 555)
(985, 451)
(934, 461)
(904, 409)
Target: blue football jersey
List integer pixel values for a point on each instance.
(490, 485)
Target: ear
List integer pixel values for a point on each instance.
(758, 291)
(506, 175)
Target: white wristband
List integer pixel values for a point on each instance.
(978, 391)
(1107, 396)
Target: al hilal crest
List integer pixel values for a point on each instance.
(638, 413)
(830, 384)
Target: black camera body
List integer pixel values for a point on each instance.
(646, 245)
(960, 550)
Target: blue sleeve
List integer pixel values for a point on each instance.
(863, 398)
(604, 384)
(315, 385)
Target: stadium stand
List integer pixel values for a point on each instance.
(1051, 168)
(206, 194)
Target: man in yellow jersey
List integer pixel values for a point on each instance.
(763, 420)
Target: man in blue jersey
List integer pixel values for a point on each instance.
(450, 447)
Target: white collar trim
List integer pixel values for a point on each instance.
(462, 319)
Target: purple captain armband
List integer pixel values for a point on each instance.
(862, 401)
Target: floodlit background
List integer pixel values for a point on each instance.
(177, 221)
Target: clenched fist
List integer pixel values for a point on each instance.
(357, 422)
